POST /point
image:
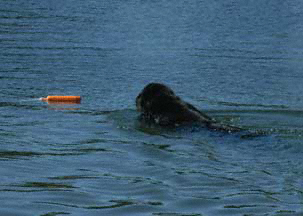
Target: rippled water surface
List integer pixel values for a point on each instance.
(239, 61)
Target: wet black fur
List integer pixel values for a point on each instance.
(159, 104)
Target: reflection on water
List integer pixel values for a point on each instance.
(240, 62)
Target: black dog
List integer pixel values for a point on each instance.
(159, 104)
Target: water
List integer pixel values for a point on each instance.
(239, 61)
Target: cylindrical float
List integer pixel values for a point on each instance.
(62, 99)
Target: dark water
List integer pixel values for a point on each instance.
(240, 61)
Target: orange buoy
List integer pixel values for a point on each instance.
(62, 99)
